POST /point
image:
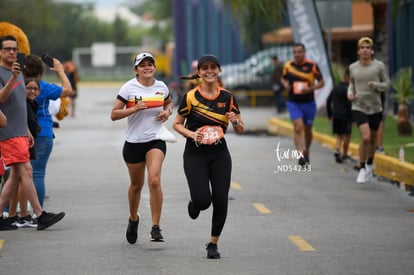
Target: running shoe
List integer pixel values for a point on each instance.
(6, 224)
(47, 219)
(27, 222)
(15, 220)
(368, 172)
(212, 252)
(193, 212)
(156, 234)
(361, 176)
(132, 231)
(307, 159)
(338, 157)
(302, 161)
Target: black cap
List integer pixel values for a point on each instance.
(207, 57)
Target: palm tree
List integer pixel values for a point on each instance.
(401, 82)
(257, 17)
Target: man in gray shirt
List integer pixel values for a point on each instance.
(15, 138)
(369, 78)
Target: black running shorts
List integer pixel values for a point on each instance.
(373, 120)
(135, 152)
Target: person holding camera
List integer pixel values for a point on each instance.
(15, 138)
(48, 91)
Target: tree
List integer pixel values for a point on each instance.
(401, 82)
(161, 12)
(53, 27)
(257, 17)
(120, 31)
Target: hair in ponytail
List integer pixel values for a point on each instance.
(189, 77)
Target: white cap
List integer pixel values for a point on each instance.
(141, 57)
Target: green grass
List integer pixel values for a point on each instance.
(391, 141)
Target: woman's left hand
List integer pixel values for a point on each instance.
(163, 115)
(232, 117)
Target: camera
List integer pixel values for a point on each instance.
(48, 59)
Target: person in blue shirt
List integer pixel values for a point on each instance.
(48, 91)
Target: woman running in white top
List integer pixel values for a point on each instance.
(146, 103)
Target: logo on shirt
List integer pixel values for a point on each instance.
(221, 104)
(16, 84)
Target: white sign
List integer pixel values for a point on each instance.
(103, 54)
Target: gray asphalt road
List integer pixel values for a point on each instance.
(281, 220)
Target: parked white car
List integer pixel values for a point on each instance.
(255, 73)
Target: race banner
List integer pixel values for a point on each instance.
(306, 29)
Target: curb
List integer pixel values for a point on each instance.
(385, 166)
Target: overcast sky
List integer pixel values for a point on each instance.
(99, 3)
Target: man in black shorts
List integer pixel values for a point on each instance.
(369, 78)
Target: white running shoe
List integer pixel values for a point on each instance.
(361, 176)
(368, 172)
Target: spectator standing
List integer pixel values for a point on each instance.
(26, 219)
(339, 112)
(302, 77)
(32, 91)
(146, 103)
(369, 78)
(203, 117)
(15, 138)
(48, 91)
(277, 86)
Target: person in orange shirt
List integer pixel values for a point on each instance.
(73, 75)
(302, 77)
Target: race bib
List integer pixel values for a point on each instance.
(298, 87)
(211, 134)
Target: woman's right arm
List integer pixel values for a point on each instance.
(119, 111)
(178, 126)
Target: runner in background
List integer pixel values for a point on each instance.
(302, 77)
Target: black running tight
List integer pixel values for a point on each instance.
(205, 166)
